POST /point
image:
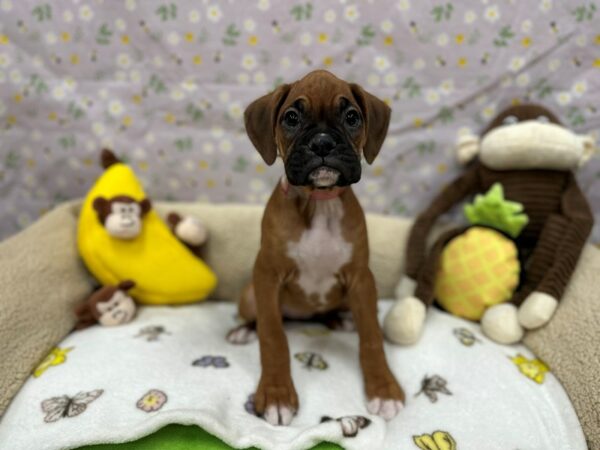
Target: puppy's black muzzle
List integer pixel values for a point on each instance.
(322, 149)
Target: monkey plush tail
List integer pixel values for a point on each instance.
(108, 158)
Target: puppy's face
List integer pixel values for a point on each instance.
(320, 126)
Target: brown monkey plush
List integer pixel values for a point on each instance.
(108, 306)
(532, 156)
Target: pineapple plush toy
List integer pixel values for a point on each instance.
(511, 268)
(481, 267)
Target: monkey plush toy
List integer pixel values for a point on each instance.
(532, 156)
(108, 306)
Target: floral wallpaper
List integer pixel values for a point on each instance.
(164, 83)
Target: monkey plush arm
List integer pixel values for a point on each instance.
(579, 223)
(468, 183)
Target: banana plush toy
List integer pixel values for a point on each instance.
(120, 237)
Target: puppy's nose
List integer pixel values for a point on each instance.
(321, 144)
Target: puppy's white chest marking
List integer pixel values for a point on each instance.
(321, 250)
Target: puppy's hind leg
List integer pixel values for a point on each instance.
(246, 332)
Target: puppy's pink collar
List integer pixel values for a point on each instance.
(316, 194)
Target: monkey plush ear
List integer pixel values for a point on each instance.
(260, 119)
(376, 115)
(467, 147)
(102, 207)
(146, 206)
(589, 148)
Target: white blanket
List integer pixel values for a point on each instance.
(173, 365)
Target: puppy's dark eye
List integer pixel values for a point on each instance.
(352, 118)
(291, 118)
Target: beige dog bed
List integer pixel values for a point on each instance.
(41, 278)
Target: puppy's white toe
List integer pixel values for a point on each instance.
(385, 408)
(537, 310)
(404, 321)
(241, 335)
(278, 415)
(373, 405)
(191, 231)
(501, 324)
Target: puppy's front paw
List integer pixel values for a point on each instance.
(276, 399)
(385, 396)
(537, 310)
(404, 321)
(191, 231)
(500, 324)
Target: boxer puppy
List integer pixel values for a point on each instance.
(314, 252)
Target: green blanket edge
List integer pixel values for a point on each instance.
(183, 437)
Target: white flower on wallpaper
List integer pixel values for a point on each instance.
(130, 5)
(194, 16)
(351, 13)
(6, 5)
(526, 26)
(546, 5)
(554, 64)
(488, 112)
(243, 78)
(516, 63)
(259, 77)
(523, 80)
(492, 14)
(329, 16)
(264, 5)
(579, 88)
(432, 96)
(173, 38)
(235, 110)
(306, 38)
(213, 13)
(115, 108)
(68, 16)
(447, 86)
(249, 61)
(442, 39)
(86, 13)
(381, 63)
(123, 60)
(403, 5)
(563, 98)
(50, 38)
(373, 79)
(469, 17)
(387, 26)
(419, 64)
(390, 79)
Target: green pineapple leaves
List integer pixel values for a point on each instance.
(493, 210)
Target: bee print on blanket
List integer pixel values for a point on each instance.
(219, 362)
(465, 336)
(152, 401)
(431, 386)
(534, 369)
(350, 425)
(152, 332)
(438, 440)
(311, 360)
(64, 406)
(55, 357)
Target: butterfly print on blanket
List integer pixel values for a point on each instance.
(219, 362)
(152, 332)
(350, 425)
(465, 336)
(431, 386)
(311, 360)
(57, 408)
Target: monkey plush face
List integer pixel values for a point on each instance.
(117, 310)
(527, 137)
(122, 215)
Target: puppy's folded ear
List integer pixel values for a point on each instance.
(260, 119)
(376, 115)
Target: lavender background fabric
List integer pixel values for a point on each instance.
(164, 83)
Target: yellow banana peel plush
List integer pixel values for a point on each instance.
(120, 237)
